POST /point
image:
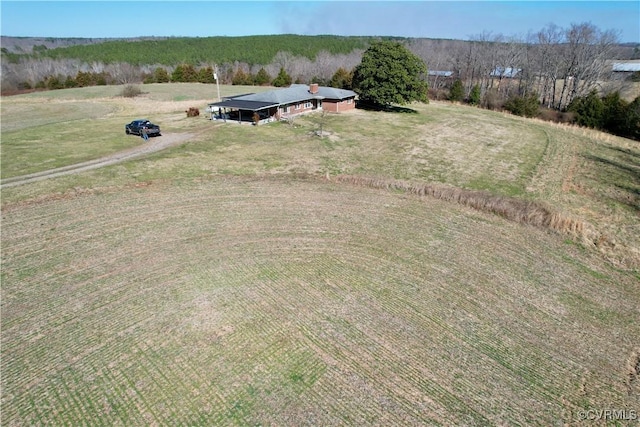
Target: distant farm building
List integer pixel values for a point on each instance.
(283, 103)
(440, 73)
(439, 79)
(504, 77)
(505, 72)
(622, 70)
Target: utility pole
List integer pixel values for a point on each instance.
(215, 76)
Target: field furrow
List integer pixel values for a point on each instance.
(240, 301)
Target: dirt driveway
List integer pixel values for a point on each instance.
(153, 145)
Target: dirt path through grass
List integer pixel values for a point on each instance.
(152, 146)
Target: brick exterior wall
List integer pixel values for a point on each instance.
(298, 108)
(336, 106)
(331, 105)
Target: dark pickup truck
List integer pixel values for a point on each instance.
(135, 128)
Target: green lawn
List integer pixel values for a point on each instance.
(46, 130)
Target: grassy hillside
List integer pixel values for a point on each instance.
(264, 275)
(582, 173)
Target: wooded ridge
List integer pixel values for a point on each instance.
(260, 49)
(177, 50)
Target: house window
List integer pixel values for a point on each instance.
(307, 104)
(285, 109)
(297, 106)
(350, 101)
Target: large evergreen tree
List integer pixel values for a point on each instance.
(283, 79)
(242, 78)
(341, 79)
(632, 120)
(475, 96)
(456, 93)
(390, 74)
(205, 75)
(262, 78)
(590, 110)
(615, 109)
(161, 75)
(184, 73)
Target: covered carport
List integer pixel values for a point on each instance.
(242, 111)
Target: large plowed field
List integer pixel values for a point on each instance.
(251, 301)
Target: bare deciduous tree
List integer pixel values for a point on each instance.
(586, 50)
(123, 72)
(558, 64)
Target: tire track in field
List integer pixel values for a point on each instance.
(154, 145)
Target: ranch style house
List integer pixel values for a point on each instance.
(281, 104)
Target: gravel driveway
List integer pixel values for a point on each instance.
(153, 145)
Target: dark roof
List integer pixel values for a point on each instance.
(237, 96)
(244, 104)
(273, 98)
(335, 93)
(298, 93)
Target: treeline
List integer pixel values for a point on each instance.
(282, 71)
(250, 60)
(557, 64)
(197, 50)
(186, 73)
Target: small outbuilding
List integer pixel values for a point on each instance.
(625, 69)
(505, 72)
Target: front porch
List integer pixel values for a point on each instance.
(242, 111)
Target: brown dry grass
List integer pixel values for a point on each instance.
(518, 210)
(522, 211)
(594, 176)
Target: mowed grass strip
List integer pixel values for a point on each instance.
(46, 130)
(51, 133)
(262, 301)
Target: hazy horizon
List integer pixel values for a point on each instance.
(455, 20)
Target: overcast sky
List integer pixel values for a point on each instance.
(432, 19)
